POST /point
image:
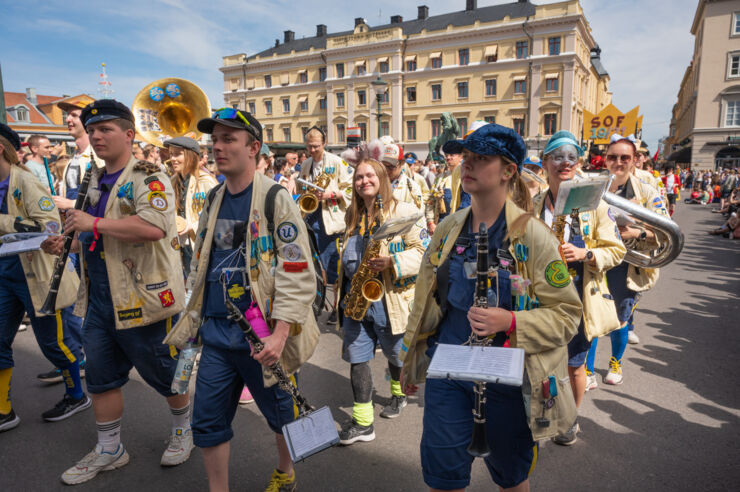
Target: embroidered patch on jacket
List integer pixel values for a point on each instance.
(157, 286)
(46, 204)
(175, 243)
(292, 252)
(166, 298)
(129, 314)
(287, 232)
(157, 200)
(556, 274)
(156, 185)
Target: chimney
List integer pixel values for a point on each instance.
(471, 4)
(396, 19)
(31, 95)
(359, 20)
(289, 36)
(423, 12)
(320, 30)
(277, 43)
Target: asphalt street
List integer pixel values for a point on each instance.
(672, 425)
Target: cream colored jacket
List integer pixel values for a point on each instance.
(332, 211)
(146, 277)
(601, 236)
(542, 331)
(406, 252)
(194, 203)
(30, 204)
(281, 294)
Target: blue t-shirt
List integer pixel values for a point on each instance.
(10, 266)
(227, 273)
(455, 327)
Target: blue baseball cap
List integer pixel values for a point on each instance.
(560, 139)
(491, 139)
(532, 160)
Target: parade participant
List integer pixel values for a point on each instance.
(327, 222)
(151, 154)
(133, 287)
(396, 261)
(24, 281)
(535, 308)
(671, 184)
(40, 149)
(191, 184)
(626, 282)
(442, 194)
(405, 189)
(234, 232)
(534, 164)
(591, 247)
(137, 152)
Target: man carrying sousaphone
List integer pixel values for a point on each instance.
(132, 291)
(25, 206)
(269, 274)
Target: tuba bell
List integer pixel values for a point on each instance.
(168, 108)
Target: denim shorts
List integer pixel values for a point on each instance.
(361, 337)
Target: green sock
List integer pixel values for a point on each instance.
(396, 388)
(362, 413)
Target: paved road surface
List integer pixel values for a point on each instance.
(672, 425)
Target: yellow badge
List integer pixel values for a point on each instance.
(236, 291)
(93, 111)
(157, 200)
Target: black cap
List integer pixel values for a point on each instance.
(219, 117)
(104, 110)
(183, 142)
(11, 136)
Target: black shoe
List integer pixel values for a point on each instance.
(332, 318)
(354, 432)
(67, 407)
(394, 409)
(569, 438)
(53, 376)
(9, 420)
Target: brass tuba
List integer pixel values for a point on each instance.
(667, 233)
(169, 108)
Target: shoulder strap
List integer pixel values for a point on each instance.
(270, 207)
(212, 195)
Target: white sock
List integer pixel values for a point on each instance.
(109, 435)
(180, 419)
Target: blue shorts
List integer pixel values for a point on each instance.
(577, 360)
(361, 337)
(221, 376)
(624, 298)
(448, 428)
(112, 353)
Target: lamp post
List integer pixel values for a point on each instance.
(380, 86)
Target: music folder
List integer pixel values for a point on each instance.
(310, 434)
(477, 363)
(16, 243)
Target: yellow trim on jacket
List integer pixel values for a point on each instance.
(28, 199)
(543, 332)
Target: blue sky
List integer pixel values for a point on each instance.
(57, 46)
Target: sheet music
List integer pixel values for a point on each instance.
(582, 194)
(476, 363)
(14, 244)
(310, 434)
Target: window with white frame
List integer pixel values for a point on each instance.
(21, 113)
(733, 65)
(736, 24)
(732, 113)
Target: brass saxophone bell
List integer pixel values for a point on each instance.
(373, 290)
(308, 203)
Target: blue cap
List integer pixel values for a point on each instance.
(410, 158)
(104, 110)
(561, 138)
(491, 139)
(532, 160)
(11, 136)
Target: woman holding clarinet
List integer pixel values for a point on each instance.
(531, 305)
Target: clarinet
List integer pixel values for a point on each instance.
(49, 306)
(277, 369)
(479, 443)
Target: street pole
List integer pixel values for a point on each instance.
(3, 116)
(380, 99)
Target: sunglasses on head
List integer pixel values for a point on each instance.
(229, 114)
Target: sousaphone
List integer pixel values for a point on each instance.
(169, 108)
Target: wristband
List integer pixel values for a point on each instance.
(511, 329)
(96, 235)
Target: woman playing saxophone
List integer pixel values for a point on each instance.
(376, 280)
(531, 305)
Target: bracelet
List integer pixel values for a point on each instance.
(96, 234)
(512, 327)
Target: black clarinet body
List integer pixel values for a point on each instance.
(479, 443)
(277, 369)
(49, 306)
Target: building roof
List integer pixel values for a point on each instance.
(34, 115)
(415, 26)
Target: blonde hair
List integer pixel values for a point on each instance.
(356, 209)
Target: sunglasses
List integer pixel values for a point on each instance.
(624, 158)
(229, 114)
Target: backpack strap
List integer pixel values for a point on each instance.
(270, 208)
(212, 195)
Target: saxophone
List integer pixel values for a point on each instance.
(558, 227)
(308, 202)
(366, 287)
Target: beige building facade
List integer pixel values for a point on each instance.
(705, 125)
(534, 68)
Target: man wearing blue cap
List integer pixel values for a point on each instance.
(134, 288)
(531, 305)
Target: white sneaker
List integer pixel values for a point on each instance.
(591, 383)
(615, 372)
(633, 338)
(178, 449)
(93, 463)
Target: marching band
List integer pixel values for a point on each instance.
(163, 254)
